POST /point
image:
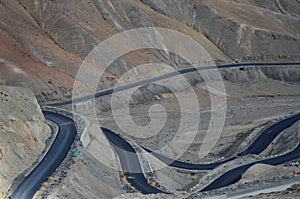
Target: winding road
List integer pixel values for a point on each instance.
(127, 155)
(235, 174)
(130, 163)
(258, 146)
(53, 158)
(165, 76)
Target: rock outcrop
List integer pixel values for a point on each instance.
(23, 133)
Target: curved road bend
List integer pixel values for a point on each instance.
(235, 174)
(165, 76)
(53, 158)
(130, 163)
(260, 144)
(269, 134)
(185, 165)
(62, 143)
(129, 159)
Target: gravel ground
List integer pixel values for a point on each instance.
(248, 113)
(251, 107)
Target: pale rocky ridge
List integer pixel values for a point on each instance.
(23, 132)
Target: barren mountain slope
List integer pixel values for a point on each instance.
(244, 30)
(44, 43)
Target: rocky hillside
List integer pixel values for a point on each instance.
(23, 132)
(245, 30)
(44, 42)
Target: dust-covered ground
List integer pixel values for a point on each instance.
(252, 106)
(245, 112)
(254, 102)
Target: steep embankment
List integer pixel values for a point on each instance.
(23, 133)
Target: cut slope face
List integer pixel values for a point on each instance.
(23, 132)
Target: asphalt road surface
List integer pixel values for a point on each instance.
(127, 155)
(268, 135)
(165, 76)
(235, 174)
(53, 158)
(130, 163)
(184, 165)
(260, 144)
